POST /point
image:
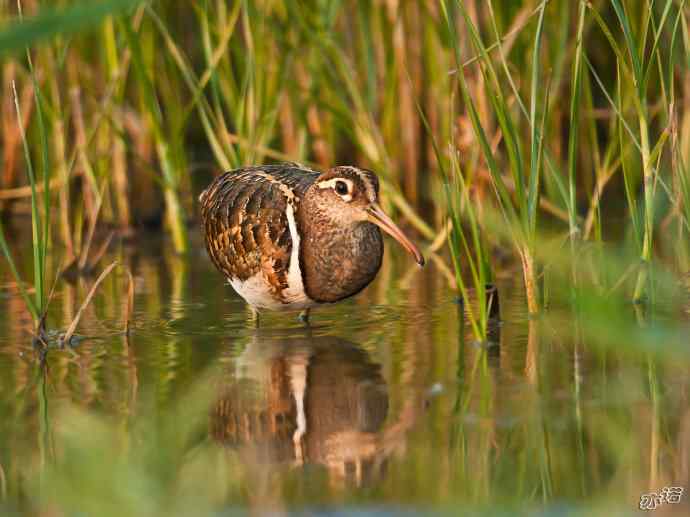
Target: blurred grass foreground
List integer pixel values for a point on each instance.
(538, 148)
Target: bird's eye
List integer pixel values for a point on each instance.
(341, 188)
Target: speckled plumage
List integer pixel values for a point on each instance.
(284, 237)
(244, 213)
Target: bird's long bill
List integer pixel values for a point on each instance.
(380, 219)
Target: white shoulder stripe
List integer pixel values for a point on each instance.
(295, 292)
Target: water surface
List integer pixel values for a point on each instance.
(386, 405)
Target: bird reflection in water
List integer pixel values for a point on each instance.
(310, 400)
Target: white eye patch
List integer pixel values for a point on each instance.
(334, 184)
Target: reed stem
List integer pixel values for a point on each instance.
(648, 185)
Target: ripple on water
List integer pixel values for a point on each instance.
(385, 401)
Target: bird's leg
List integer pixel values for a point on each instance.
(304, 316)
(255, 317)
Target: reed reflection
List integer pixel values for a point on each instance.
(309, 400)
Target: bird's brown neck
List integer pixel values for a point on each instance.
(336, 261)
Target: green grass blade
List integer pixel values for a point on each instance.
(51, 22)
(655, 45)
(499, 184)
(36, 225)
(612, 41)
(573, 135)
(535, 136)
(46, 168)
(630, 43)
(168, 164)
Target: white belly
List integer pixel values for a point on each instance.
(257, 293)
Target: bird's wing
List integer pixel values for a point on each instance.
(245, 220)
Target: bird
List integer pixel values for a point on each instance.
(289, 238)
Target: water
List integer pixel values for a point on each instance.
(386, 405)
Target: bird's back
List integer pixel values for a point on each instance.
(251, 232)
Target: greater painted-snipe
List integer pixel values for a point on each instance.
(290, 238)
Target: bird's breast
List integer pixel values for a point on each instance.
(338, 263)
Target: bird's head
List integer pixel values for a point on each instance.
(348, 196)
